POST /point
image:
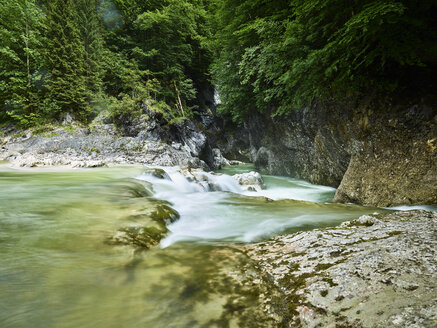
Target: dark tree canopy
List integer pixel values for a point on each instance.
(278, 55)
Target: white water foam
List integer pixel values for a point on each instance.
(413, 207)
(221, 215)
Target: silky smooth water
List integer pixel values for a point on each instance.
(56, 270)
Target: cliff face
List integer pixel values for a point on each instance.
(376, 154)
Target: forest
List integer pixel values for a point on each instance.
(272, 56)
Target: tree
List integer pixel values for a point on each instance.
(66, 59)
(279, 55)
(91, 33)
(166, 40)
(21, 76)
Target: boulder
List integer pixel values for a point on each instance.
(251, 181)
(147, 229)
(156, 172)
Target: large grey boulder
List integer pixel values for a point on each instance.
(251, 181)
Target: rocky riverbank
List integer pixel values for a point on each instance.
(144, 140)
(374, 152)
(377, 271)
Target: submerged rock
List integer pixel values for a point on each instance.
(251, 181)
(146, 237)
(156, 172)
(147, 227)
(377, 271)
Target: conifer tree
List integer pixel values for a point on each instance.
(92, 38)
(65, 56)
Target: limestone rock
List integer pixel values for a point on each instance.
(251, 181)
(141, 141)
(377, 271)
(375, 153)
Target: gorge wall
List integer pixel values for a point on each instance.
(374, 152)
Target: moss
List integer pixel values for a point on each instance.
(356, 223)
(323, 266)
(164, 214)
(139, 147)
(295, 254)
(364, 240)
(233, 307)
(292, 284)
(42, 130)
(94, 150)
(320, 310)
(294, 267)
(330, 282)
(146, 237)
(157, 173)
(336, 253)
(324, 293)
(19, 135)
(345, 309)
(53, 134)
(69, 128)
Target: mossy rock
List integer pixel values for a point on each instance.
(157, 173)
(164, 214)
(147, 227)
(146, 237)
(134, 188)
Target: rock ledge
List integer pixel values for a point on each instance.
(377, 271)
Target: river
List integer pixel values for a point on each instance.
(57, 270)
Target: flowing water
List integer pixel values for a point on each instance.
(56, 270)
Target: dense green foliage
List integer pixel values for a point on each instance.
(21, 58)
(84, 56)
(274, 56)
(278, 55)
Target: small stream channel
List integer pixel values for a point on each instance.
(56, 270)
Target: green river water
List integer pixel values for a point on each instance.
(56, 270)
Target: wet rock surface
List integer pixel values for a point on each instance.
(207, 181)
(146, 227)
(251, 181)
(377, 271)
